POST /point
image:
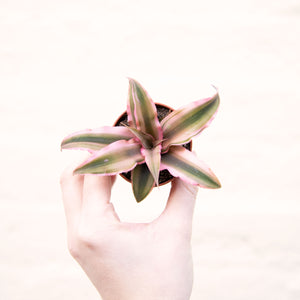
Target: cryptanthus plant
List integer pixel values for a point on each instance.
(145, 145)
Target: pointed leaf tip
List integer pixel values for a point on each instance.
(182, 163)
(95, 139)
(120, 156)
(142, 182)
(141, 110)
(180, 126)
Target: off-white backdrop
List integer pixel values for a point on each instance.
(63, 67)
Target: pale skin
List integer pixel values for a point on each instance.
(129, 261)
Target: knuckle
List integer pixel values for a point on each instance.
(74, 249)
(79, 243)
(86, 239)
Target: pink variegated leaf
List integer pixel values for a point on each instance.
(118, 157)
(182, 163)
(141, 111)
(146, 139)
(96, 139)
(152, 158)
(142, 182)
(181, 125)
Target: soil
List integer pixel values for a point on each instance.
(162, 112)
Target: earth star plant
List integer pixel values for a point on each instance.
(145, 146)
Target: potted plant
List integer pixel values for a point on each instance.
(145, 146)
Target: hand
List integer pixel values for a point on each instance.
(127, 261)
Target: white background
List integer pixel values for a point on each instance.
(63, 67)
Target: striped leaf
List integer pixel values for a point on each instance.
(181, 125)
(182, 163)
(152, 158)
(141, 111)
(96, 139)
(120, 156)
(146, 139)
(142, 182)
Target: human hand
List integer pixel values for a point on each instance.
(128, 261)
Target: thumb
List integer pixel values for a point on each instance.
(180, 206)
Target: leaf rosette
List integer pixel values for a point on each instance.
(145, 146)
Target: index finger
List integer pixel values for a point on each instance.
(71, 187)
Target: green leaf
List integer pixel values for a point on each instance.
(96, 139)
(142, 182)
(141, 111)
(182, 163)
(181, 125)
(121, 156)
